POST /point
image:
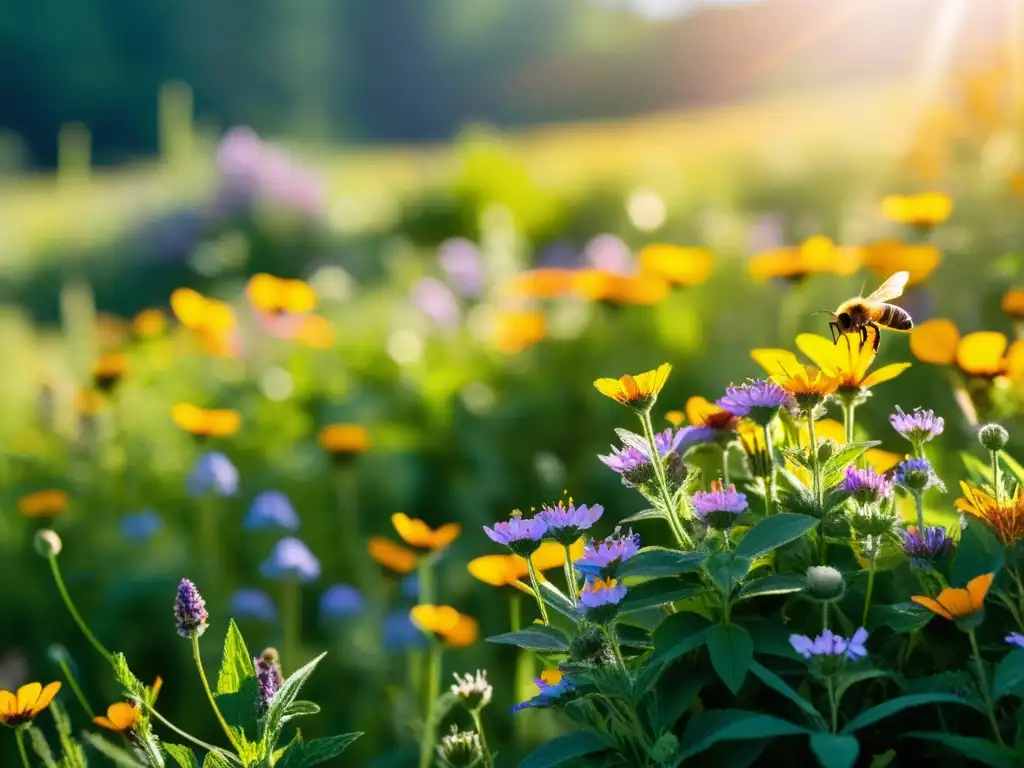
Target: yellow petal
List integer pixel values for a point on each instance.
(830, 429)
(699, 408)
(882, 461)
(45, 698)
(465, 632)
(188, 306)
(27, 696)
(776, 361)
(495, 570)
(122, 715)
(784, 262)
(981, 353)
(822, 352)
(682, 266)
(919, 259)
(675, 418)
(611, 388)
(392, 555)
(956, 602)
(8, 704)
(264, 292)
(103, 722)
(885, 373)
(444, 535)
(932, 606)
(1013, 303)
(935, 341)
(297, 297)
(1015, 360)
(978, 588)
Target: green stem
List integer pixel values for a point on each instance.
(919, 505)
(849, 415)
(682, 538)
(769, 499)
(536, 591)
(725, 465)
(73, 683)
(983, 684)
(570, 576)
(347, 490)
(75, 614)
(832, 704)
(995, 478)
(425, 580)
(824, 616)
(479, 725)
(291, 614)
(187, 736)
(433, 691)
(209, 693)
(816, 482)
(19, 737)
(867, 597)
(207, 531)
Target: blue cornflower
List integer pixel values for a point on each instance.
(916, 476)
(827, 644)
(400, 634)
(213, 475)
(926, 546)
(758, 400)
(602, 557)
(410, 587)
(271, 511)
(252, 603)
(341, 601)
(918, 427)
(566, 523)
(291, 559)
(553, 686)
(141, 526)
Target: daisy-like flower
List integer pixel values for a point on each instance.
(600, 598)
(982, 354)
(916, 476)
(602, 557)
(638, 392)
(718, 424)
(865, 486)
(473, 690)
(848, 361)
(808, 385)
(923, 210)
(446, 624)
(206, 422)
(1005, 518)
(121, 717)
(958, 604)
(344, 441)
(924, 547)
(21, 707)
(720, 507)
(419, 535)
(566, 523)
(511, 570)
(553, 687)
(1015, 638)
(828, 644)
(520, 534)
(919, 426)
(758, 400)
(635, 465)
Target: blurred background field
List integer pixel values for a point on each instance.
(491, 205)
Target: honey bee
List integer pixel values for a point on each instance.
(858, 314)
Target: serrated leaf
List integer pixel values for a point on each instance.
(835, 751)
(732, 651)
(128, 681)
(772, 532)
(727, 570)
(535, 637)
(718, 725)
(658, 561)
(657, 592)
(982, 750)
(115, 754)
(1010, 674)
(779, 685)
(182, 755)
(301, 709)
(832, 470)
(283, 699)
(893, 706)
(1016, 469)
(646, 514)
(564, 750)
(300, 754)
(236, 663)
(775, 584)
(633, 440)
(215, 760)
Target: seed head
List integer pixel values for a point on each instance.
(994, 437)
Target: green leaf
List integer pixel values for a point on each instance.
(978, 552)
(847, 679)
(676, 692)
(658, 561)
(779, 685)
(904, 617)
(1009, 674)
(553, 598)
(646, 514)
(115, 754)
(657, 592)
(1013, 465)
(981, 750)
(679, 634)
(215, 760)
(535, 637)
(727, 570)
(718, 725)
(300, 754)
(563, 749)
(776, 584)
(631, 636)
(240, 709)
(41, 747)
(183, 756)
(832, 470)
(834, 751)
(772, 532)
(282, 700)
(980, 472)
(128, 681)
(731, 651)
(236, 664)
(301, 709)
(891, 707)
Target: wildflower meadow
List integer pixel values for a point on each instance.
(532, 449)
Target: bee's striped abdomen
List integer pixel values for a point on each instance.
(895, 317)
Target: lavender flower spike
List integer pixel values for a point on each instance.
(759, 400)
(865, 485)
(520, 534)
(190, 610)
(268, 675)
(918, 427)
(602, 557)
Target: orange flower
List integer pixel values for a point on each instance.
(344, 439)
(599, 285)
(890, 256)
(675, 418)
(121, 717)
(923, 210)
(955, 604)
(149, 323)
(551, 676)
(516, 330)
(510, 570)
(446, 623)
(703, 413)
(108, 371)
(1013, 304)
(543, 283)
(391, 555)
(985, 354)
(676, 264)
(31, 699)
(417, 533)
(638, 391)
(276, 295)
(815, 255)
(315, 332)
(1006, 519)
(200, 314)
(206, 423)
(49, 503)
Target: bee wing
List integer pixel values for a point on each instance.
(890, 289)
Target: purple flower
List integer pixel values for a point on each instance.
(925, 547)
(598, 592)
(141, 526)
(720, 507)
(759, 400)
(212, 475)
(190, 610)
(566, 523)
(271, 511)
(549, 694)
(828, 644)
(342, 601)
(609, 253)
(520, 534)
(1015, 638)
(603, 556)
(918, 427)
(460, 260)
(634, 464)
(251, 603)
(291, 559)
(865, 485)
(400, 634)
(436, 301)
(916, 476)
(268, 676)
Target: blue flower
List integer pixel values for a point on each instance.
(252, 603)
(410, 587)
(291, 559)
(565, 524)
(925, 547)
(1015, 638)
(865, 485)
(271, 511)
(916, 475)
(602, 557)
(341, 601)
(829, 644)
(552, 690)
(141, 526)
(400, 634)
(213, 475)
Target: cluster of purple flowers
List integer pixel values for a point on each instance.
(602, 557)
(919, 426)
(634, 464)
(561, 522)
(828, 644)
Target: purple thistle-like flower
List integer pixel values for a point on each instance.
(603, 556)
(630, 461)
(829, 644)
(190, 610)
(518, 533)
(549, 694)
(759, 400)
(918, 427)
(916, 475)
(565, 523)
(865, 485)
(925, 547)
(1015, 638)
(719, 507)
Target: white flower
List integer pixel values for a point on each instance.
(473, 690)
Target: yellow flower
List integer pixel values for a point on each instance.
(149, 323)
(276, 295)
(958, 603)
(848, 361)
(551, 676)
(890, 256)
(200, 314)
(315, 332)
(344, 439)
(391, 555)
(676, 264)
(446, 623)
(1013, 304)
(922, 210)
(511, 570)
(815, 255)
(985, 354)
(48, 503)
(675, 418)
(417, 533)
(802, 381)
(121, 717)
(701, 412)
(1006, 519)
(516, 330)
(599, 285)
(206, 423)
(543, 283)
(638, 391)
(108, 371)
(31, 699)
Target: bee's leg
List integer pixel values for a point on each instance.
(833, 328)
(878, 336)
(863, 333)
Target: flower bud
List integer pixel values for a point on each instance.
(994, 437)
(48, 543)
(825, 582)
(460, 749)
(665, 748)
(591, 646)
